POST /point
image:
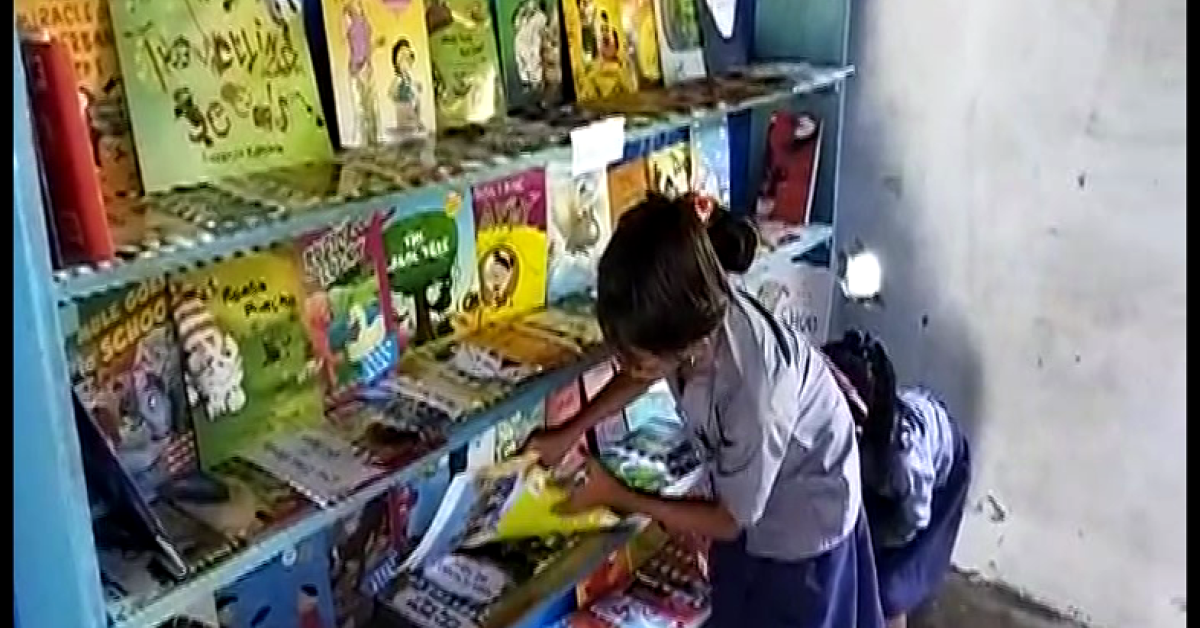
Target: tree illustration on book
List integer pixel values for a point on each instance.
(421, 250)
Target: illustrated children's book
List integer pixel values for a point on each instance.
(217, 88)
(669, 168)
(579, 229)
(641, 36)
(127, 372)
(466, 68)
(600, 65)
(250, 366)
(530, 34)
(790, 168)
(380, 70)
(798, 294)
(86, 28)
(291, 591)
(366, 552)
(710, 160)
(628, 185)
(679, 42)
(430, 252)
(510, 244)
(345, 308)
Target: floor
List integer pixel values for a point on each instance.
(967, 603)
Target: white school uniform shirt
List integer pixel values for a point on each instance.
(779, 436)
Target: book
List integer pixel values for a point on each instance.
(710, 160)
(346, 307)
(679, 44)
(361, 547)
(317, 462)
(600, 66)
(726, 28)
(580, 330)
(255, 503)
(669, 169)
(641, 35)
(127, 371)
(217, 88)
(798, 294)
(530, 36)
(510, 244)
(467, 88)
(291, 591)
(579, 228)
(380, 70)
(250, 365)
(505, 439)
(86, 27)
(535, 350)
(71, 181)
(628, 185)
(430, 250)
(790, 168)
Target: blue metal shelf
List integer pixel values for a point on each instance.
(81, 282)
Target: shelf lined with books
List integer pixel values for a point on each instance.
(231, 216)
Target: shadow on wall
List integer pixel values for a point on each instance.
(926, 334)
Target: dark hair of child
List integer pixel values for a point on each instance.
(865, 362)
(661, 283)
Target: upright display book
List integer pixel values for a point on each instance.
(669, 170)
(510, 244)
(679, 42)
(628, 185)
(600, 65)
(466, 68)
(380, 70)
(790, 168)
(579, 229)
(710, 160)
(217, 88)
(641, 35)
(530, 38)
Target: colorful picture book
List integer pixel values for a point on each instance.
(600, 65)
(579, 228)
(510, 244)
(641, 35)
(530, 38)
(710, 160)
(669, 170)
(790, 168)
(430, 251)
(466, 67)
(679, 42)
(380, 70)
(249, 363)
(798, 294)
(628, 185)
(345, 309)
(217, 88)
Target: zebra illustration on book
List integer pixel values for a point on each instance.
(214, 361)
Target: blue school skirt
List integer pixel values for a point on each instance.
(911, 573)
(837, 589)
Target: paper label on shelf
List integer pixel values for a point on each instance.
(596, 145)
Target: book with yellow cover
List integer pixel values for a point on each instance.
(510, 244)
(600, 65)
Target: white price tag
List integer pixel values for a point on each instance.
(595, 146)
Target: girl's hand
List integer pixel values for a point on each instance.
(598, 489)
(552, 444)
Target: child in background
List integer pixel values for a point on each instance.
(916, 467)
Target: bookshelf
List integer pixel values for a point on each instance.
(56, 582)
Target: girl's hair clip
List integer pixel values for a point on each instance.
(703, 205)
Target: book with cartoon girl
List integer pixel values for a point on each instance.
(510, 244)
(600, 65)
(380, 70)
(579, 228)
(529, 33)
(346, 308)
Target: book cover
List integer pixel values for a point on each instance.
(366, 549)
(798, 294)
(430, 251)
(669, 170)
(679, 42)
(87, 29)
(127, 371)
(530, 38)
(600, 65)
(248, 359)
(316, 462)
(380, 70)
(641, 36)
(579, 228)
(466, 67)
(255, 502)
(345, 310)
(291, 591)
(510, 244)
(790, 168)
(726, 28)
(217, 88)
(71, 180)
(710, 160)
(628, 185)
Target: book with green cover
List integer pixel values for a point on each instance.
(529, 33)
(217, 88)
(466, 67)
(380, 70)
(249, 363)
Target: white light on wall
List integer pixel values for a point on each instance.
(862, 275)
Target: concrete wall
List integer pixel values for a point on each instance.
(1019, 165)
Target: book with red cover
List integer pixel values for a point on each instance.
(64, 143)
(790, 168)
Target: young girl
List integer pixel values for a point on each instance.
(916, 471)
(791, 548)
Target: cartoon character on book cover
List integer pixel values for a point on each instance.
(596, 42)
(578, 231)
(128, 374)
(345, 311)
(638, 21)
(530, 50)
(381, 72)
(248, 359)
(430, 251)
(466, 66)
(669, 169)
